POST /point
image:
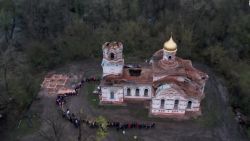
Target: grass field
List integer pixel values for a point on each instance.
(92, 98)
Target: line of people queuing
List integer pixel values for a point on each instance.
(60, 100)
(121, 126)
(90, 79)
(115, 125)
(93, 124)
(132, 125)
(72, 118)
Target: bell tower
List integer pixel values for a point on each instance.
(169, 50)
(112, 62)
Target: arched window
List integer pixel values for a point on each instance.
(176, 103)
(146, 92)
(112, 56)
(128, 92)
(137, 92)
(169, 57)
(112, 95)
(162, 103)
(189, 105)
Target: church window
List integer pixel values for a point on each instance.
(189, 104)
(137, 92)
(128, 92)
(146, 92)
(162, 103)
(112, 56)
(176, 103)
(112, 95)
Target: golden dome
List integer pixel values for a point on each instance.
(170, 45)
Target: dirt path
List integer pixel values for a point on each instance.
(216, 122)
(216, 93)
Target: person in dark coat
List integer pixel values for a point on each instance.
(76, 123)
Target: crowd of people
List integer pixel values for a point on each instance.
(115, 125)
(72, 118)
(81, 84)
(133, 125)
(60, 100)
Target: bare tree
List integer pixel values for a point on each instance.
(54, 130)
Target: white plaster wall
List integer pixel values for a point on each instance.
(169, 105)
(170, 95)
(155, 103)
(118, 94)
(115, 66)
(169, 102)
(195, 106)
(141, 91)
(111, 68)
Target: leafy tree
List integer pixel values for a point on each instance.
(102, 131)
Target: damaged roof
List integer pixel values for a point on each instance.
(180, 73)
(145, 76)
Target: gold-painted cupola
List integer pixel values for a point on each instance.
(170, 45)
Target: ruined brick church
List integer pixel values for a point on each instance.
(170, 84)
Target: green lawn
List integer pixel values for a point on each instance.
(92, 98)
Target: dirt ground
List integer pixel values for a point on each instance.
(216, 123)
